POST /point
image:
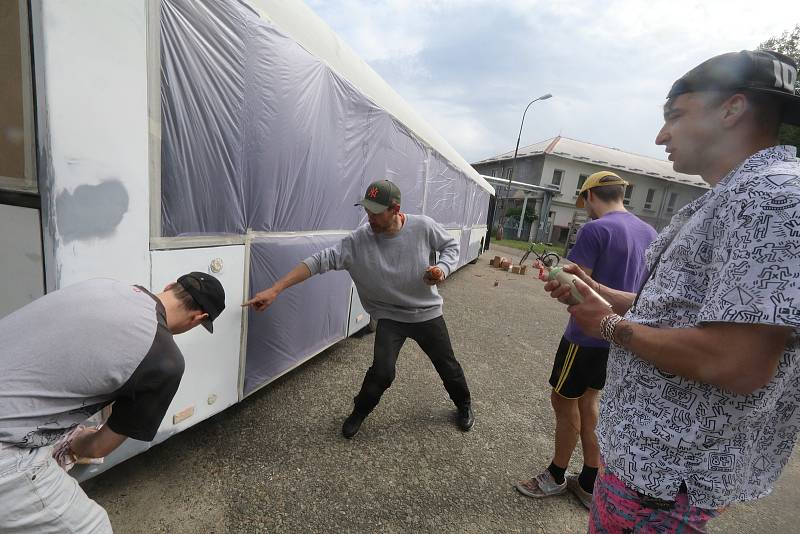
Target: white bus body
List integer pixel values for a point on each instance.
(158, 137)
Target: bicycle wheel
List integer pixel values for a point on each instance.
(550, 259)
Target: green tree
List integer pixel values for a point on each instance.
(516, 212)
(788, 43)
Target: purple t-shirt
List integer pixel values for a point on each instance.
(613, 248)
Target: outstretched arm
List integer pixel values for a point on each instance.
(264, 299)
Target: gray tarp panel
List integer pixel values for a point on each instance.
(478, 209)
(394, 154)
(304, 319)
(202, 95)
(470, 199)
(259, 134)
(446, 193)
(305, 138)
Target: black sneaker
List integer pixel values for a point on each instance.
(465, 418)
(352, 424)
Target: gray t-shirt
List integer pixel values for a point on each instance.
(70, 353)
(388, 270)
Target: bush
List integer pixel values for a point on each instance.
(515, 213)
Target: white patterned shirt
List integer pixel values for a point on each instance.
(732, 255)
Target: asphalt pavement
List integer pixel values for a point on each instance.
(277, 462)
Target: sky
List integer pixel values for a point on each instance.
(469, 67)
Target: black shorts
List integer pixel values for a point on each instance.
(577, 368)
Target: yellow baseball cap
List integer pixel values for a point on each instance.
(598, 178)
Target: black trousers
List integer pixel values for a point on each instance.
(433, 339)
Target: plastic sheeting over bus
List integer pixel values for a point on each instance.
(305, 319)
(261, 136)
(258, 134)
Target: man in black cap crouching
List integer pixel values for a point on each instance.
(66, 356)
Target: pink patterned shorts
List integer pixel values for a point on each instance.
(617, 509)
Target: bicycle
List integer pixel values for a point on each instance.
(548, 259)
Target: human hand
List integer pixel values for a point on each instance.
(263, 299)
(433, 275)
(563, 292)
(62, 453)
(589, 313)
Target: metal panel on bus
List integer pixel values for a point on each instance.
(20, 258)
(359, 318)
(210, 381)
(476, 239)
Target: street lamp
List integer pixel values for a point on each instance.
(514, 162)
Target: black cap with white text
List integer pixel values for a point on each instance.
(760, 71)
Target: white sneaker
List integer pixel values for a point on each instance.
(575, 487)
(540, 486)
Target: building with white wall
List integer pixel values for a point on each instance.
(655, 193)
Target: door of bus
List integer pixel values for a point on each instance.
(21, 260)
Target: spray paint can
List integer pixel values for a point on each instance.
(558, 273)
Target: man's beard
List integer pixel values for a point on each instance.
(377, 229)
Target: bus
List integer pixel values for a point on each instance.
(143, 139)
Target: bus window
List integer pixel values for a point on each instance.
(16, 100)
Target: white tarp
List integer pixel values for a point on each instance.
(305, 319)
(260, 135)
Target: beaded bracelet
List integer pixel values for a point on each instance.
(607, 326)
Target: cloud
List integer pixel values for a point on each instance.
(469, 67)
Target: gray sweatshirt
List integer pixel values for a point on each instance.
(388, 270)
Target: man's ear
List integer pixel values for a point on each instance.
(198, 317)
(733, 109)
(170, 286)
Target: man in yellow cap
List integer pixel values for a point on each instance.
(610, 248)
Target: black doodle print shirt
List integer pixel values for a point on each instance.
(732, 255)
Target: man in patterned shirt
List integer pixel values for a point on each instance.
(702, 401)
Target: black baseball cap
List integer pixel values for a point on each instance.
(380, 196)
(759, 71)
(207, 292)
